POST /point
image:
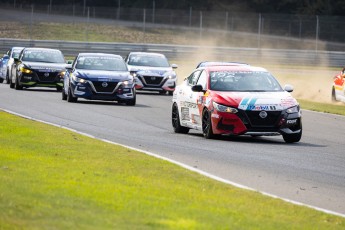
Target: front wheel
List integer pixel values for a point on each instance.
(1, 80)
(64, 95)
(7, 78)
(70, 97)
(334, 99)
(175, 119)
(207, 125)
(291, 138)
(17, 86)
(11, 83)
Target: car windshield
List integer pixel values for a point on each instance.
(16, 53)
(101, 63)
(148, 60)
(47, 56)
(254, 81)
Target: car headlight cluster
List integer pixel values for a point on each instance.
(170, 75)
(223, 108)
(294, 109)
(25, 70)
(134, 74)
(77, 79)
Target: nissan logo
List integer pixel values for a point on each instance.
(263, 114)
(46, 74)
(153, 78)
(104, 84)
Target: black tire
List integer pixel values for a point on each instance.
(175, 120)
(207, 125)
(291, 138)
(171, 93)
(132, 101)
(7, 78)
(11, 83)
(64, 95)
(1, 80)
(162, 92)
(70, 97)
(334, 99)
(58, 88)
(16, 85)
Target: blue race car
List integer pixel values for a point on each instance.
(99, 76)
(3, 67)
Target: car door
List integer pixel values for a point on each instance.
(196, 99)
(191, 99)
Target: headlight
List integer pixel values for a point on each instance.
(223, 108)
(77, 79)
(170, 75)
(294, 109)
(25, 70)
(134, 74)
(62, 74)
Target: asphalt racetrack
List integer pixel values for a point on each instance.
(311, 171)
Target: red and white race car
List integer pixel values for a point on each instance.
(236, 100)
(338, 88)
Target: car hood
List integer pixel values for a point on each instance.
(45, 66)
(150, 71)
(99, 75)
(255, 100)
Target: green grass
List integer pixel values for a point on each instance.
(335, 108)
(52, 178)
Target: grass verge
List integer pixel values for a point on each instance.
(335, 108)
(52, 178)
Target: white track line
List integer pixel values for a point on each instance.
(181, 165)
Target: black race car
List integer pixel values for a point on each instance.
(38, 67)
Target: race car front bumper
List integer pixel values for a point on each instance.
(154, 83)
(90, 91)
(250, 123)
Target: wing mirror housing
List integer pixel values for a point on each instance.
(197, 88)
(288, 88)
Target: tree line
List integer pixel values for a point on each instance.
(303, 7)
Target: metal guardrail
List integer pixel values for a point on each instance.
(249, 55)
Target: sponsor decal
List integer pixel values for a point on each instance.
(104, 79)
(257, 104)
(189, 104)
(288, 102)
(185, 114)
(291, 122)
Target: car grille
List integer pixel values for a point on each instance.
(252, 118)
(100, 88)
(44, 77)
(153, 80)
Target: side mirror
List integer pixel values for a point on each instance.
(174, 66)
(197, 88)
(69, 68)
(288, 88)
